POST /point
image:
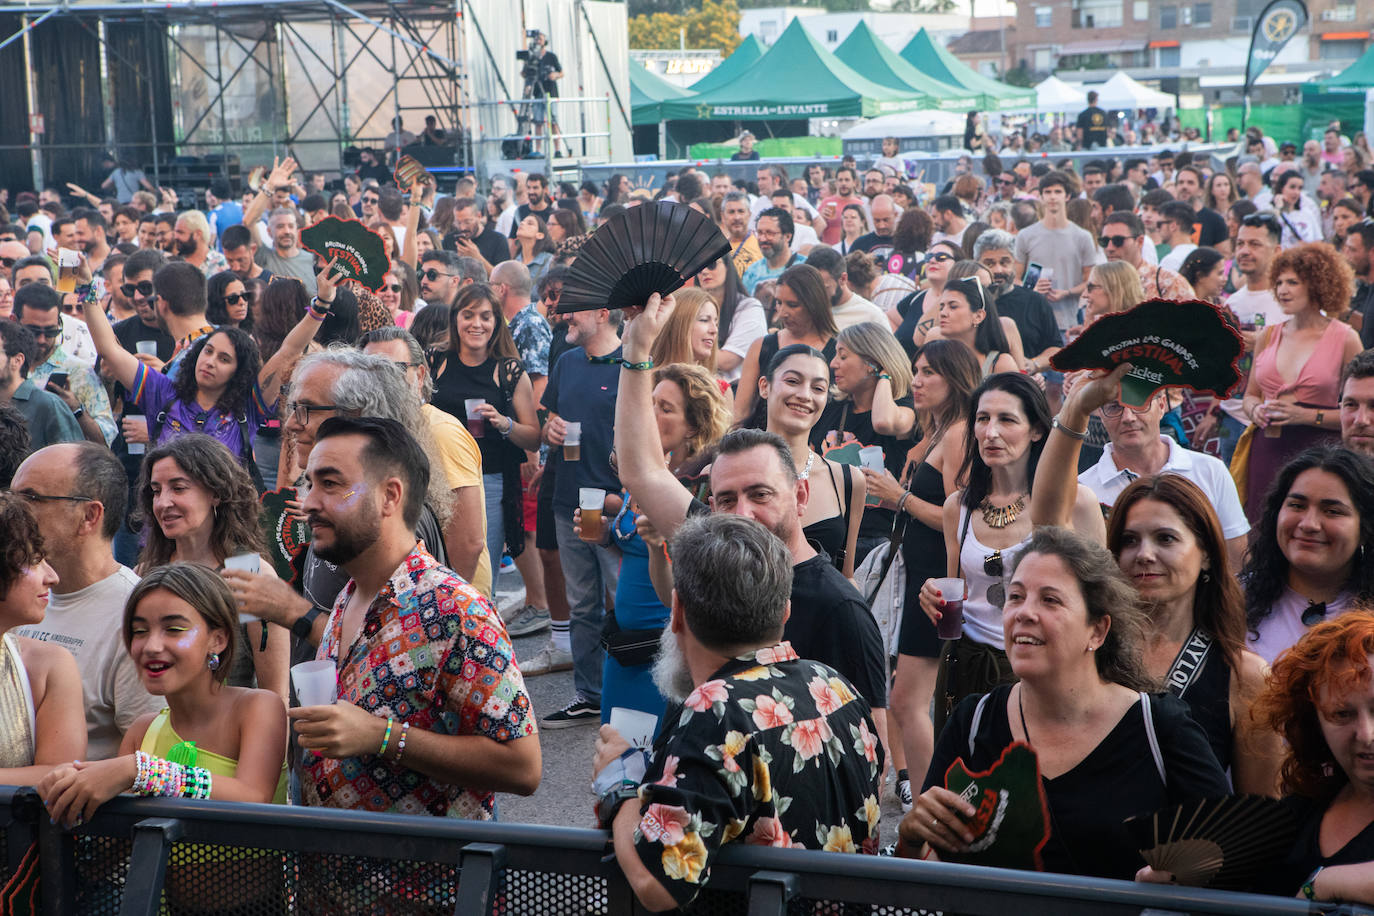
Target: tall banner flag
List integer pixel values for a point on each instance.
(1279, 22)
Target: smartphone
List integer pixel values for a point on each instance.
(59, 379)
(1032, 276)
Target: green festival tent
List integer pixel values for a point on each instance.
(648, 91)
(871, 57)
(934, 60)
(745, 56)
(1358, 77)
(796, 78)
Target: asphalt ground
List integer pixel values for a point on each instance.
(564, 797)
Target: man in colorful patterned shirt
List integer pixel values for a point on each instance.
(766, 748)
(432, 716)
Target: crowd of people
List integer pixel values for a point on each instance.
(736, 510)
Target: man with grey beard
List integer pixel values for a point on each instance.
(767, 747)
(1040, 335)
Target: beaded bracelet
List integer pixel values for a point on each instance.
(401, 742)
(198, 781)
(386, 738)
(159, 776)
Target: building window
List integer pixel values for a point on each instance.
(1168, 57)
(1342, 12)
(1168, 17)
(1141, 10)
(1044, 17)
(1342, 50)
(832, 36)
(1202, 14)
(1097, 14)
(1042, 60)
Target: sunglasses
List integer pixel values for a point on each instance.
(144, 289)
(1314, 613)
(393, 288)
(431, 275)
(235, 298)
(941, 256)
(1117, 240)
(1007, 181)
(1260, 219)
(50, 332)
(371, 200)
(551, 295)
(7, 263)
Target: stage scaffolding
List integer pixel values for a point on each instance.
(188, 90)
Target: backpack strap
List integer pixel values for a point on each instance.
(1147, 713)
(156, 431)
(977, 720)
(249, 459)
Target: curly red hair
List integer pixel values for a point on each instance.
(1332, 657)
(1329, 279)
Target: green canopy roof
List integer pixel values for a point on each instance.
(797, 78)
(934, 60)
(1358, 77)
(725, 72)
(870, 56)
(647, 91)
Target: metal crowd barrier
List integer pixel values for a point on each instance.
(150, 856)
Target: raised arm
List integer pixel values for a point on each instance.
(748, 388)
(410, 250)
(122, 364)
(1055, 496)
(888, 417)
(293, 346)
(639, 452)
(281, 174)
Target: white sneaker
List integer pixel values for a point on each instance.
(546, 661)
(527, 620)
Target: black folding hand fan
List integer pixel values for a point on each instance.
(1226, 843)
(652, 248)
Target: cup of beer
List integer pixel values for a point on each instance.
(572, 442)
(591, 501)
(477, 424)
(68, 260)
(951, 623)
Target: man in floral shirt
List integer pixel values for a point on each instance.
(432, 716)
(767, 748)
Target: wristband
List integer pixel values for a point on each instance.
(901, 503)
(386, 738)
(1321, 415)
(638, 367)
(78, 412)
(1071, 433)
(1309, 887)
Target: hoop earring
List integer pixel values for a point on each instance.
(1206, 576)
(213, 661)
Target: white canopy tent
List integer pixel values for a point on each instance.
(1056, 96)
(1123, 93)
(929, 123)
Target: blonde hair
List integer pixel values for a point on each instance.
(1122, 283)
(674, 342)
(875, 343)
(197, 223)
(703, 403)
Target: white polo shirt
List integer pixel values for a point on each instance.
(1211, 476)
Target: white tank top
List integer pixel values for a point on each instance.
(982, 618)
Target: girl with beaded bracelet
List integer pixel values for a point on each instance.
(213, 740)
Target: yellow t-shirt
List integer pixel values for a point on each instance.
(462, 462)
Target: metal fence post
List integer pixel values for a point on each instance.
(57, 866)
(770, 892)
(153, 839)
(479, 869)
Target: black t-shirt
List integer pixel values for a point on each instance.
(547, 63)
(750, 156)
(376, 170)
(910, 308)
(1363, 302)
(1212, 229)
(1034, 319)
(490, 244)
(1092, 123)
(1117, 780)
(1306, 853)
(830, 623)
(880, 246)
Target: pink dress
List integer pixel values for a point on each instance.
(1317, 385)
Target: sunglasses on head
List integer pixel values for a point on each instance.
(236, 298)
(144, 289)
(1117, 240)
(1260, 219)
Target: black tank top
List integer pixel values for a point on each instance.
(460, 382)
(915, 305)
(1207, 692)
(832, 534)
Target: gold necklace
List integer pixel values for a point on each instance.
(1001, 516)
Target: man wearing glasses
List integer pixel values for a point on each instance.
(78, 495)
(440, 277)
(76, 339)
(39, 308)
(1123, 239)
(49, 420)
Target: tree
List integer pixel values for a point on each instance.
(714, 25)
